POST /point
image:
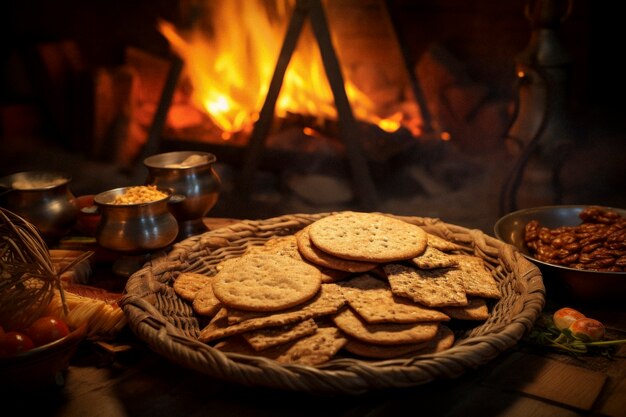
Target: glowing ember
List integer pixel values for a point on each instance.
(230, 69)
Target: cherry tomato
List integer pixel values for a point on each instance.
(15, 342)
(565, 316)
(588, 329)
(47, 329)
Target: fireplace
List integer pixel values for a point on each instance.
(375, 42)
(304, 78)
(307, 78)
(431, 87)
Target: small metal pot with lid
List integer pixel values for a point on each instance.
(43, 198)
(196, 186)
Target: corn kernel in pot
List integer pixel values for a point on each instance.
(139, 194)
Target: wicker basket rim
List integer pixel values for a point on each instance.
(338, 376)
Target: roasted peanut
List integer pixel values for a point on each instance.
(589, 247)
(572, 247)
(570, 259)
(585, 258)
(544, 235)
(599, 243)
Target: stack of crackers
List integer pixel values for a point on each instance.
(364, 284)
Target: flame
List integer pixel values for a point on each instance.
(230, 69)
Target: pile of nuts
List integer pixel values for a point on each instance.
(598, 244)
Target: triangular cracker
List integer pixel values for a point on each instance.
(477, 279)
(383, 333)
(312, 350)
(274, 336)
(433, 258)
(441, 243)
(432, 288)
(475, 310)
(373, 300)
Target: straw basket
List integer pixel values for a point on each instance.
(168, 325)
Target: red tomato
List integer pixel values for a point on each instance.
(565, 316)
(588, 329)
(14, 343)
(47, 329)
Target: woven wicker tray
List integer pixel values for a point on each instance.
(167, 323)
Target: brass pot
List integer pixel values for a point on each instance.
(42, 198)
(134, 228)
(196, 187)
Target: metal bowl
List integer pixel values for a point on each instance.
(134, 228)
(196, 186)
(562, 282)
(43, 198)
(40, 367)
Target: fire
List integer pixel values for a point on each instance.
(230, 69)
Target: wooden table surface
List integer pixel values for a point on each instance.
(524, 381)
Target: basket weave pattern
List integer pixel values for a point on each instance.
(169, 326)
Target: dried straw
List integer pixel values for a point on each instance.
(27, 275)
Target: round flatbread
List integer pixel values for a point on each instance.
(206, 303)
(188, 284)
(444, 339)
(266, 282)
(324, 259)
(369, 237)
